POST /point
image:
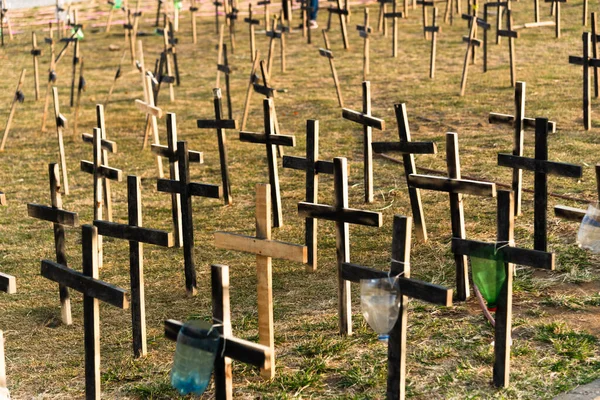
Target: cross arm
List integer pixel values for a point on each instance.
(432, 28)
(264, 90)
(472, 41)
(262, 247)
(148, 109)
(569, 213)
(466, 186)
(480, 22)
(8, 283)
(321, 167)
(507, 33)
(497, 118)
(514, 255)
(398, 14)
(51, 214)
(339, 11)
(326, 53)
(135, 233)
(363, 119)
(280, 140)
(232, 347)
(548, 167)
(347, 215)
(105, 144)
(408, 287)
(591, 62)
(405, 147)
(217, 124)
(164, 151)
(113, 174)
(85, 284)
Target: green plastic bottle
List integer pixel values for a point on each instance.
(118, 4)
(489, 275)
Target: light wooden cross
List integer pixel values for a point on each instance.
(394, 15)
(265, 4)
(220, 125)
(504, 247)
(230, 347)
(407, 288)
(118, 74)
(94, 290)
(472, 42)
(343, 216)
(586, 62)
(225, 68)
(541, 168)
(166, 65)
(80, 88)
(251, 23)
(595, 51)
(172, 49)
(305, 10)
(511, 34)
(35, 53)
(76, 56)
(100, 173)
(500, 11)
(368, 122)
(424, 4)
(217, 4)
(152, 113)
(556, 10)
(187, 190)
(275, 34)
(59, 218)
(327, 53)
(382, 21)
(51, 77)
(61, 123)
(170, 152)
(252, 82)
(408, 149)
(130, 35)
(136, 235)
(455, 187)
(364, 32)
(193, 10)
(342, 14)
(520, 122)
(265, 249)
(270, 139)
(434, 29)
(231, 16)
(313, 167)
(19, 97)
(576, 214)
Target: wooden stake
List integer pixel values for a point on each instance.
(61, 122)
(35, 52)
(18, 98)
(329, 55)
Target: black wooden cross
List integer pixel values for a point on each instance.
(504, 247)
(187, 189)
(51, 76)
(368, 122)
(343, 217)
(586, 61)
(59, 218)
(94, 290)
(275, 34)
(576, 214)
(408, 149)
(520, 122)
(251, 22)
(327, 53)
(35, 53)
(364, 32)
(271, 139)
(230, 347)
(313, 167)
(394, 15)
(455, 186)
(500, 7)
(542, 168)
(220, 125)
(226, 69)
(408, 288)
(152, 112)
(136, 235)
(434, 29)
(511, 34)
(81, 86)
(424, 5)
(342, 13)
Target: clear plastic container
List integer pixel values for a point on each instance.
(588, 236)
(195, 354)
(380, 304)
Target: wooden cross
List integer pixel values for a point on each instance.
(165, 64)
(595, 52)
(136, 235)
(270, 139)
(61, 123)
(217, 4)
(456, 187)
(251, 87)
(220, 124)
(424, 4)
(51, 77)
(274, 34)
(576, 214)
(230, 347)
(265, 4)
(408, 149)
(504, 247)
(313, 167)
(434, 29)
(94, 290)
(542, 168)
(265, 249)
(113, 6)
(226, 69)
(35, 52)
(364, 31)
(152, 113)
(170, 152)
(80, 88)
(382, 21)
(187, 190)
(76, 56)
(193, 10)
(368, 122)
(231, 16)
(394, 15)
(8, 284)
(343, 216)
(556, 9)
(472, 42)
(59, 218)
(501, 7)
(586, 61)
(520, 123)
(407, 288)
(251, 22)
(511, 34)
(327, 53)
(173, 51)
(342, 13)
(130, 35)
(19, 97)
(116, 78)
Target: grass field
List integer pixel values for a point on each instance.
(556, 324)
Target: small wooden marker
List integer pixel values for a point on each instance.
(576, 214)
(230, 347)
(456, 187)
(226, 69)
(434, 29)
(251, 23)
(586, 62)
(408, 149)
(511, 34)
(504, 247)
(408, 288)
(556, 9)
(265, 249)
(59, 218)
(266, 4)
(364, 31)
(274, 34)
(187, 190)
(542, 168)
(394, 15)
(152, 113)
(35, 53)
(18, 98)
(80, 88)
(118, 74)
(342, 13)
(368, 122)
(51, 78)
(61, 123)
(471, 42)
(94, 291)
(326, 52)
(251, 82)
(313, 167)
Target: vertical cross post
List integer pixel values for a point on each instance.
(329, 55)
(51, 77)
(193, 11)
(35, 52)
(251, 22)
(364, 32)
(19, 97)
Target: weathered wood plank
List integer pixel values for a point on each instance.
(542, 166)
(103, 171)
(405, 147)
(569, 213)
(515, 255)
(52, 214)
(346, 215)
(450, 185)
(262, 247)
(279, 140)
(135, 233)
(363, 119)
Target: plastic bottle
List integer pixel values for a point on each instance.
(588, 236)
(195, 354)
(489, 275)
(380, 304)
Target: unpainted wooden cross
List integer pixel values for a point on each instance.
(505, 249)
(455, 187)
(187, 190)
(327, 53)
(165, 64)
(343, 216)
(275, 34)
(342, 13)
(556, 11)
(61, 123)
(251, 23)
(59, 218)
(368, 122)
(586, 62)
(472, 42)
(364, 32)
(35, 53)
(382, 21)
(394, 15)
(408, 149)
(265, 4)
(193, 10)
(541, 168)
(434, 29)
(576, 214)
(94, 290)
(19, 97)
(51, 77)
(226, 69)
(511, 34)
(230, 347)
(407, 287)
(152, 113)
